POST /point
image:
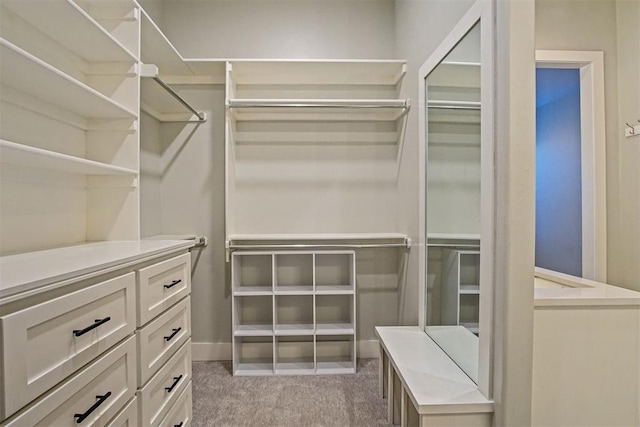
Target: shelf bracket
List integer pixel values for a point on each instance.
(151, 71)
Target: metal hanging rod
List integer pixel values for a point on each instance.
(452, 245)
(151, 71)
(324, 245)
(454, 105)
(403, 104)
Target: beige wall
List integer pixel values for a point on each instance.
(608, 26)
(624, 266)
(281, 28)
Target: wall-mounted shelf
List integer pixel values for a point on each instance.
(293, 312)
(23, 155)
(25, 72)
(94, 45)
(157, 49)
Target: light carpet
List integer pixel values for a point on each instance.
(220, 399)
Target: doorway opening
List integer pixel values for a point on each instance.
(571, 164)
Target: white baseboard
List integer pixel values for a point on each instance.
(368, 349)
(208, 351)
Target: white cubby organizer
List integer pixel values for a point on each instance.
(461, 288)
(293, 312)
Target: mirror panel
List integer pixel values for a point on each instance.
(453, 202)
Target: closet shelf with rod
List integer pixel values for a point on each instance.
(240, 242)
(328, 109)
(162, 102)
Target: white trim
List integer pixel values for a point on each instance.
(593, 151)
(214, 351)
(207, 351)
(481, 10)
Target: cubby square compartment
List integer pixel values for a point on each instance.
(334, 315)
(294, 315)
(253, 315)
(469, 311)
(294, 273)
(252, 274)
(334, 272)
(253, 356)
(469, 272)
(294, 355)
(335, 354)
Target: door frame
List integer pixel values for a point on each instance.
(593, 153)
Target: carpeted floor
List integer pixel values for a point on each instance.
(222, 400)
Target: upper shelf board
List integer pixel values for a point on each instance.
(23, 71)
(157, 50)
(24, 155)
(94, 45)
(328, 72)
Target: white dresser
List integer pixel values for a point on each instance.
(97, 334)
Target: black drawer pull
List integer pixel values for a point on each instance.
(174, 331)
(78, 332)
(172, 284)
(100, 401)
(176, 380)
(179, 425)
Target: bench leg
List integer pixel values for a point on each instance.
(381, 373)
(390, 403)
(395, 397)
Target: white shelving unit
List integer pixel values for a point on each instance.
(293, 312)
(461, 288)
(69, 137)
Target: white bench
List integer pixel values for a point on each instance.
(424, 387)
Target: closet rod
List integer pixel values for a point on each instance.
(201, 117)
(451, 245)
(454, 105)
(307, 246)
(240, 104)
(150, 70)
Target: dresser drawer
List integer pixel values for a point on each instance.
(44, 344)
(161, 285)
(160, 339)
(96, 393)
(128, 416)
(180, 414)
(163, 389)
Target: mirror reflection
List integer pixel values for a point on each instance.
(453, 202)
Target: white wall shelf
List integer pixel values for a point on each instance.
(24, 155)
(156, 49)
(316, 306)
(25, 72)
(80, 33)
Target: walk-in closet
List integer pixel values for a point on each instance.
(314, 212)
